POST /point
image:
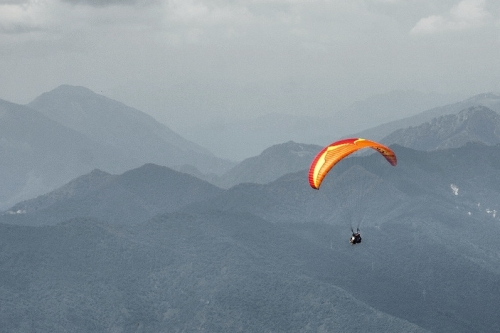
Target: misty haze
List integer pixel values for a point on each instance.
(166, 166)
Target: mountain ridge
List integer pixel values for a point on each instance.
(125, 128)
(242, 139)
(276, 256)
(129, 198)
(271, 164)
(489, 100)
(474, 124)
(38, 154)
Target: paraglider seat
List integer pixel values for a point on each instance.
(355, 239)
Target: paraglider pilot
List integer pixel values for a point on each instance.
(356, 237)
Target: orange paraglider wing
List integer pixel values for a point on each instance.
(332, 154)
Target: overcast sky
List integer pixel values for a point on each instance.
(187, 61)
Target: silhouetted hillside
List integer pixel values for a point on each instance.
(130, 198)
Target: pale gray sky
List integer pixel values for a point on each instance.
(188, 61)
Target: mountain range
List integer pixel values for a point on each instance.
(126, 129)
(129, 198)
(38, 154)
(241, 139)
(271, 164)
(273, 256)
(70, 131)
(474, 124)
(489, 100)
(151, 248)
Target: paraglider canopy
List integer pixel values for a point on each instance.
(335, 152)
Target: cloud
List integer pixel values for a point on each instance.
(13, 2)
(20, 16)
(200, 12)
(465, 15)
(63, 17)
(105, 3)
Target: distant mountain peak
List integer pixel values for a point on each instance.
(123, 128)
(79, 186)
(483, 96)
(271, 164)
(476, 110)
(473, 124)
(288, 147)
(70, 90)
(131, 197)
